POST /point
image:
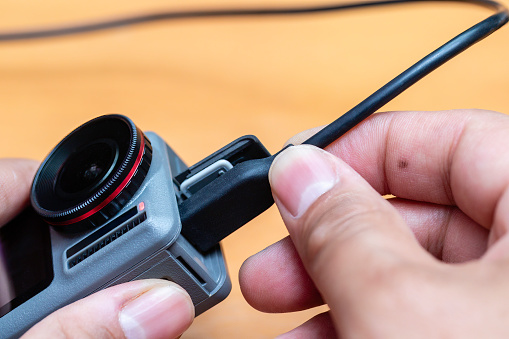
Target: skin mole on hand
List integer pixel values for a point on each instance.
(403, 163)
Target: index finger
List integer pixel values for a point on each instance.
(450, 157)
(16, 176)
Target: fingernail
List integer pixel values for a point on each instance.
(300, 175)
(162, 312)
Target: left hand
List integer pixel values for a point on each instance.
(138, 309)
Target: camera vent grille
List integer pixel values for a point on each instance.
(108, 239)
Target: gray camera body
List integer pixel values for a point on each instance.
(142, 241)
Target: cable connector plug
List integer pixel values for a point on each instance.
(224, 191)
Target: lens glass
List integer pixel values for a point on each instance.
(86, 168)
(89, 168)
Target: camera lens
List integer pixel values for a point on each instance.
(91, 174)
(87, 168)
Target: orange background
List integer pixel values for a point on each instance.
(202, 83)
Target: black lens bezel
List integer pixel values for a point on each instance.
(68, 210)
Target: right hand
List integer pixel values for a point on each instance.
(355, 251)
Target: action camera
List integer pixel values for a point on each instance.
(111, 204)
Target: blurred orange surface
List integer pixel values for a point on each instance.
(202, 83)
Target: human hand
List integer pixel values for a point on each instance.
(139, 309)
(381, 265)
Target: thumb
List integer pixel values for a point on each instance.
(139, 309)
(346, 234)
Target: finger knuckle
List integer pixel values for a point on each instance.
(332, 234)
(339, 221)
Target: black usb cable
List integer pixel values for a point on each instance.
(229, 188)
